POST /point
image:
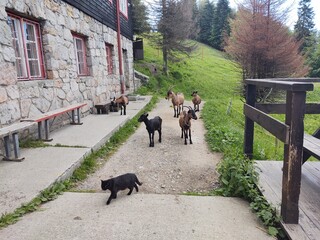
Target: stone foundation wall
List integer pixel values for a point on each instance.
(62, 86)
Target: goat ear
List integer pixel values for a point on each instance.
(147, 114)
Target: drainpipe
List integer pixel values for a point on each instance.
(119, 48)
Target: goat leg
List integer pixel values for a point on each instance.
(150, 140)
(190, 136)
(159, 135)
(185, 136)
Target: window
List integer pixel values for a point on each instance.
(109, 52)
(80, 51)
(27, 46)
(124, 7)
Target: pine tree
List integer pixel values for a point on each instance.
(175, 26)
(139, 17)
(314, 58)
(205, 22)
(221, 26)
(304, 27)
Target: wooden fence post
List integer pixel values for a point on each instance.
(293, 151)
(249, 124)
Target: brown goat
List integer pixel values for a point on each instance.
(122, 101)
(177, 102)
(196, 100)
(185, 123)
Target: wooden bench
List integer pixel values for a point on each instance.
(13, 131)
(44, 118)
(103, 108)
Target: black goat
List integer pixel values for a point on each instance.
(152, 125)
(185, 123)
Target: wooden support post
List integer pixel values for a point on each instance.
(249, 124)
(291, 179)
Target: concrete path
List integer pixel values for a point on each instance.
(140, 216)
(86, 216)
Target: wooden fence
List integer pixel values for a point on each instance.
(291, 132)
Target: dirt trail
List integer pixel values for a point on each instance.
(169, 167)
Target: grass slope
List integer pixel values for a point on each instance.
(216, 79)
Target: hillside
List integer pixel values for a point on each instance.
(217, 80)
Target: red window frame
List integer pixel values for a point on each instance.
(123, 6)
(26, 41)
(109, 52)
(79, 43)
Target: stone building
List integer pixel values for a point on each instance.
(54, 53)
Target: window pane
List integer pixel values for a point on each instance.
(79, 44)
(109, 58)
(80, 55)
(32, 50)
(20, 68)
(29, 30)
(123, 7)
(34, 68)
(18, 47)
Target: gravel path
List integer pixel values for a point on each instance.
(169, 167)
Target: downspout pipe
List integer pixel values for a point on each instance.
(119, 47)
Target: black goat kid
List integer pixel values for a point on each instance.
(152, 125)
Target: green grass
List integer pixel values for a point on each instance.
(217, 79)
